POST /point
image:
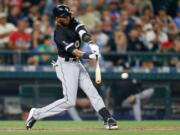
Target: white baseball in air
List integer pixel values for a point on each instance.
(124, 75)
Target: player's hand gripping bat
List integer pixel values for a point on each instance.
(98, 71)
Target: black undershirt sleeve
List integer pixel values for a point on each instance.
(63, 43)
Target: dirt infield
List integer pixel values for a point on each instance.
(168, 129)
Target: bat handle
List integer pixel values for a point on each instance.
(96, 57)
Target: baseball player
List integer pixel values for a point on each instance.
(68, 35)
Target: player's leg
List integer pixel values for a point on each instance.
(87, 86)
(144, 95)
(137, 109)
(74, 114)
(68, 74)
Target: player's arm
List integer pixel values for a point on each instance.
(82, 31)
(84, 55)
(85, 36)
(78, 53)
(70, 47)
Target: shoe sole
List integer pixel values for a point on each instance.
(28, 128)
(111, 128)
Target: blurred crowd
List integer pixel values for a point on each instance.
(116, 26)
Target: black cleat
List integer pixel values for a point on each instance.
(110, 124)
(30, 120)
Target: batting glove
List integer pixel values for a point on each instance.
(94, 56)
(94, 48)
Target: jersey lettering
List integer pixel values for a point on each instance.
(77, 44)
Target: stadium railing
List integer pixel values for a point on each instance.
(113, 56)
(160, 72)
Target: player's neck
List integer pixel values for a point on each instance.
(58, 24)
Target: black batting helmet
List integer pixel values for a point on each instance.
(61, 10)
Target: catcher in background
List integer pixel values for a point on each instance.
(68, 35)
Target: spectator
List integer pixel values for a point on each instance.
(49, 8)
(106, 23)
(147, 16)
(33, 15)
(43, 48)
(14, 15)
(161, 36)
(5, 29)
(173, 31)
(125, 23)
(50, 5)
(150, 37)
(100, 6)
(41, 5)
(44, 22)
(121, 47)
(130, 7)
(166, 46)
(114, 13)
(90, 18)
(134, 43)
(177, 18)
(74, 8)
(163, 20)
(142, 5)
(118, 42)
(172, 35)
(49, 31)
(175, 62)
(19, 40)
(7, 4)
(43, 28)
(36, 35)
(176, 47)
(17, 3)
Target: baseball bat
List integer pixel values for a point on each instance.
(98, 71)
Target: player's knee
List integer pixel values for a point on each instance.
(70, 103)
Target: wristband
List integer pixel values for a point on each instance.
(86, 55)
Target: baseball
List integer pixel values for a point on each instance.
(124, 75)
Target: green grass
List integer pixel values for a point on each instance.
(91, 128)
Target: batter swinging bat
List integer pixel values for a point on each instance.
(98, 71)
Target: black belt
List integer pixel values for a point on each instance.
(71, 59)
